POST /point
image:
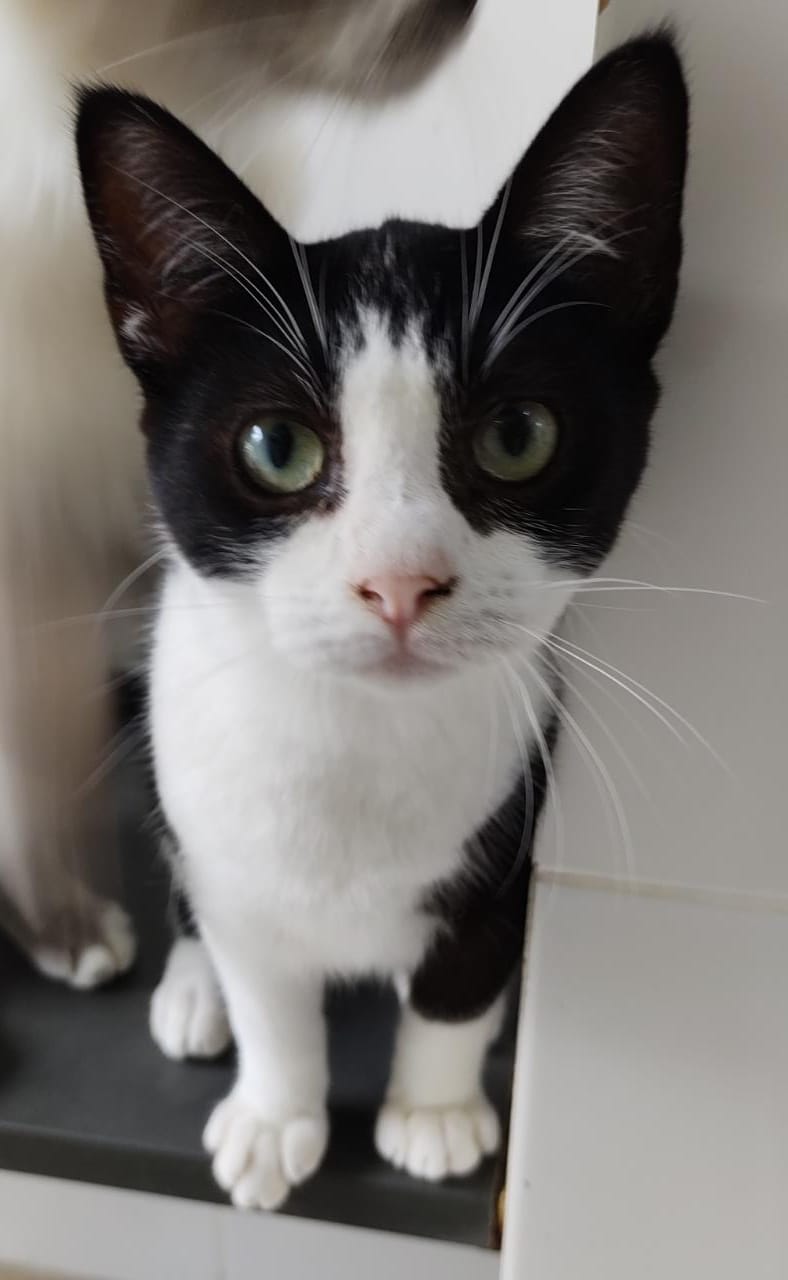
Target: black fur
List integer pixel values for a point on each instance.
(481, 915)
(207, 368)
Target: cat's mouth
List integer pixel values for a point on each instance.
(405, 664)
(402, 663)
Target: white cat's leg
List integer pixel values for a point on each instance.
(436, 1120)
(270, 1133)
(55, 735)
(187, 1013)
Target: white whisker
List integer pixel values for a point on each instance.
(255, 294)
(465, 313)
(172, 45)
(285, 312)
(530, 277)
(479, 301)
(107, 608)
(639, 692)
(547, 761)
(505, 331)
(477, 271)
(601, 770)
(602, 724)
(126, 741)
(306, 378)
(524, 848)
(605, 585)
(496, 349)
(299, 253)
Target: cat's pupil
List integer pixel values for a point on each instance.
(280, 442)
(513, 434)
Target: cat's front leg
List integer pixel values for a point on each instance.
(271, 1131)
(436, 1121)
(187, 1017)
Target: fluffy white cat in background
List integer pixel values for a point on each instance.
(72, 490)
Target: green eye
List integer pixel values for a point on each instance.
(281, 456)
(519, 444)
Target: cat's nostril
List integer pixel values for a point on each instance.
(444, 588)
(400, 599)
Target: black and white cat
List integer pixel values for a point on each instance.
(383, 464)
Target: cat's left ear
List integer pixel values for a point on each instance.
(174, 226)
(598, 195)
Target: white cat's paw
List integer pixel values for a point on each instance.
(257, 1161)
(187, 1014)
(437, 1142)
(86, 945)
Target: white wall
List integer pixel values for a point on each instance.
(713, 502)
(440, 153)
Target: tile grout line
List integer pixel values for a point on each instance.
(736, 899)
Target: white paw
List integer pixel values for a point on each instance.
(435, 1142)
(187, 1015)
(257, 1161)
(87, 946)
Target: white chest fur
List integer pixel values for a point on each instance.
(316, 810)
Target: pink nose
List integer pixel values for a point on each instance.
(400, 599)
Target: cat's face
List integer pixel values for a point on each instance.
(400, 451)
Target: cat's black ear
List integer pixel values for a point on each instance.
(173, 225)
(599, 192)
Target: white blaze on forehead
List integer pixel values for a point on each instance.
(390, 414)
(396, 512)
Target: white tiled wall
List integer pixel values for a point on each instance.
(712, 507)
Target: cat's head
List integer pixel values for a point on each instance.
(401, 450)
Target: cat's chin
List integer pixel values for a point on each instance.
(404, 666)
(388, 670)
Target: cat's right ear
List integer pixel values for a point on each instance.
(173, 225)
(598, 195)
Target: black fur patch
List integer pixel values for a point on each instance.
(482, 913)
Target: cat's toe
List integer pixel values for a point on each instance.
(187, 1014)
(87, 945)
(257, 1160)
(437, 1142)
(303, 1143)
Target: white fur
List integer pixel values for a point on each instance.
(187, 1014)
(317, 790)
(436, 1120)
(72, 487)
